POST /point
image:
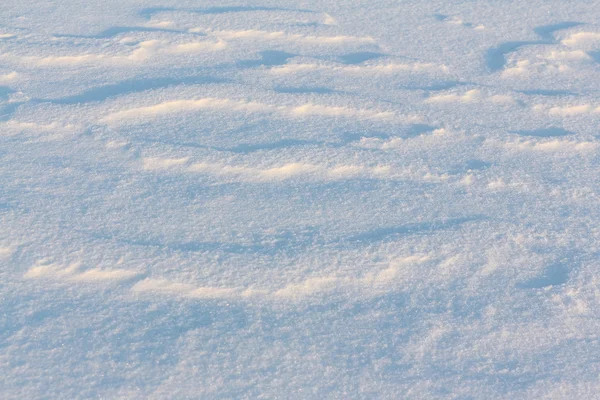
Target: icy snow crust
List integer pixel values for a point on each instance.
(311, 200)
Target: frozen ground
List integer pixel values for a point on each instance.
(299, 199)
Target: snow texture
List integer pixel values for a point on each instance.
(299, 199)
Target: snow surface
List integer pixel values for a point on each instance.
(299, 199)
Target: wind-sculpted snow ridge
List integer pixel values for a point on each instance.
(6, 78)
(316, 200)
(253, 34)
(145, 51)
(563, 146)
(568, 111)
(180, 106)
(472, 96)
(360, 69)
(555, 56)
(580, 38)
(72, 272)
(372, 284)
(295, 170)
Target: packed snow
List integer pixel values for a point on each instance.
(299, 199)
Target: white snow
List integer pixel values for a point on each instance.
(327, 199)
